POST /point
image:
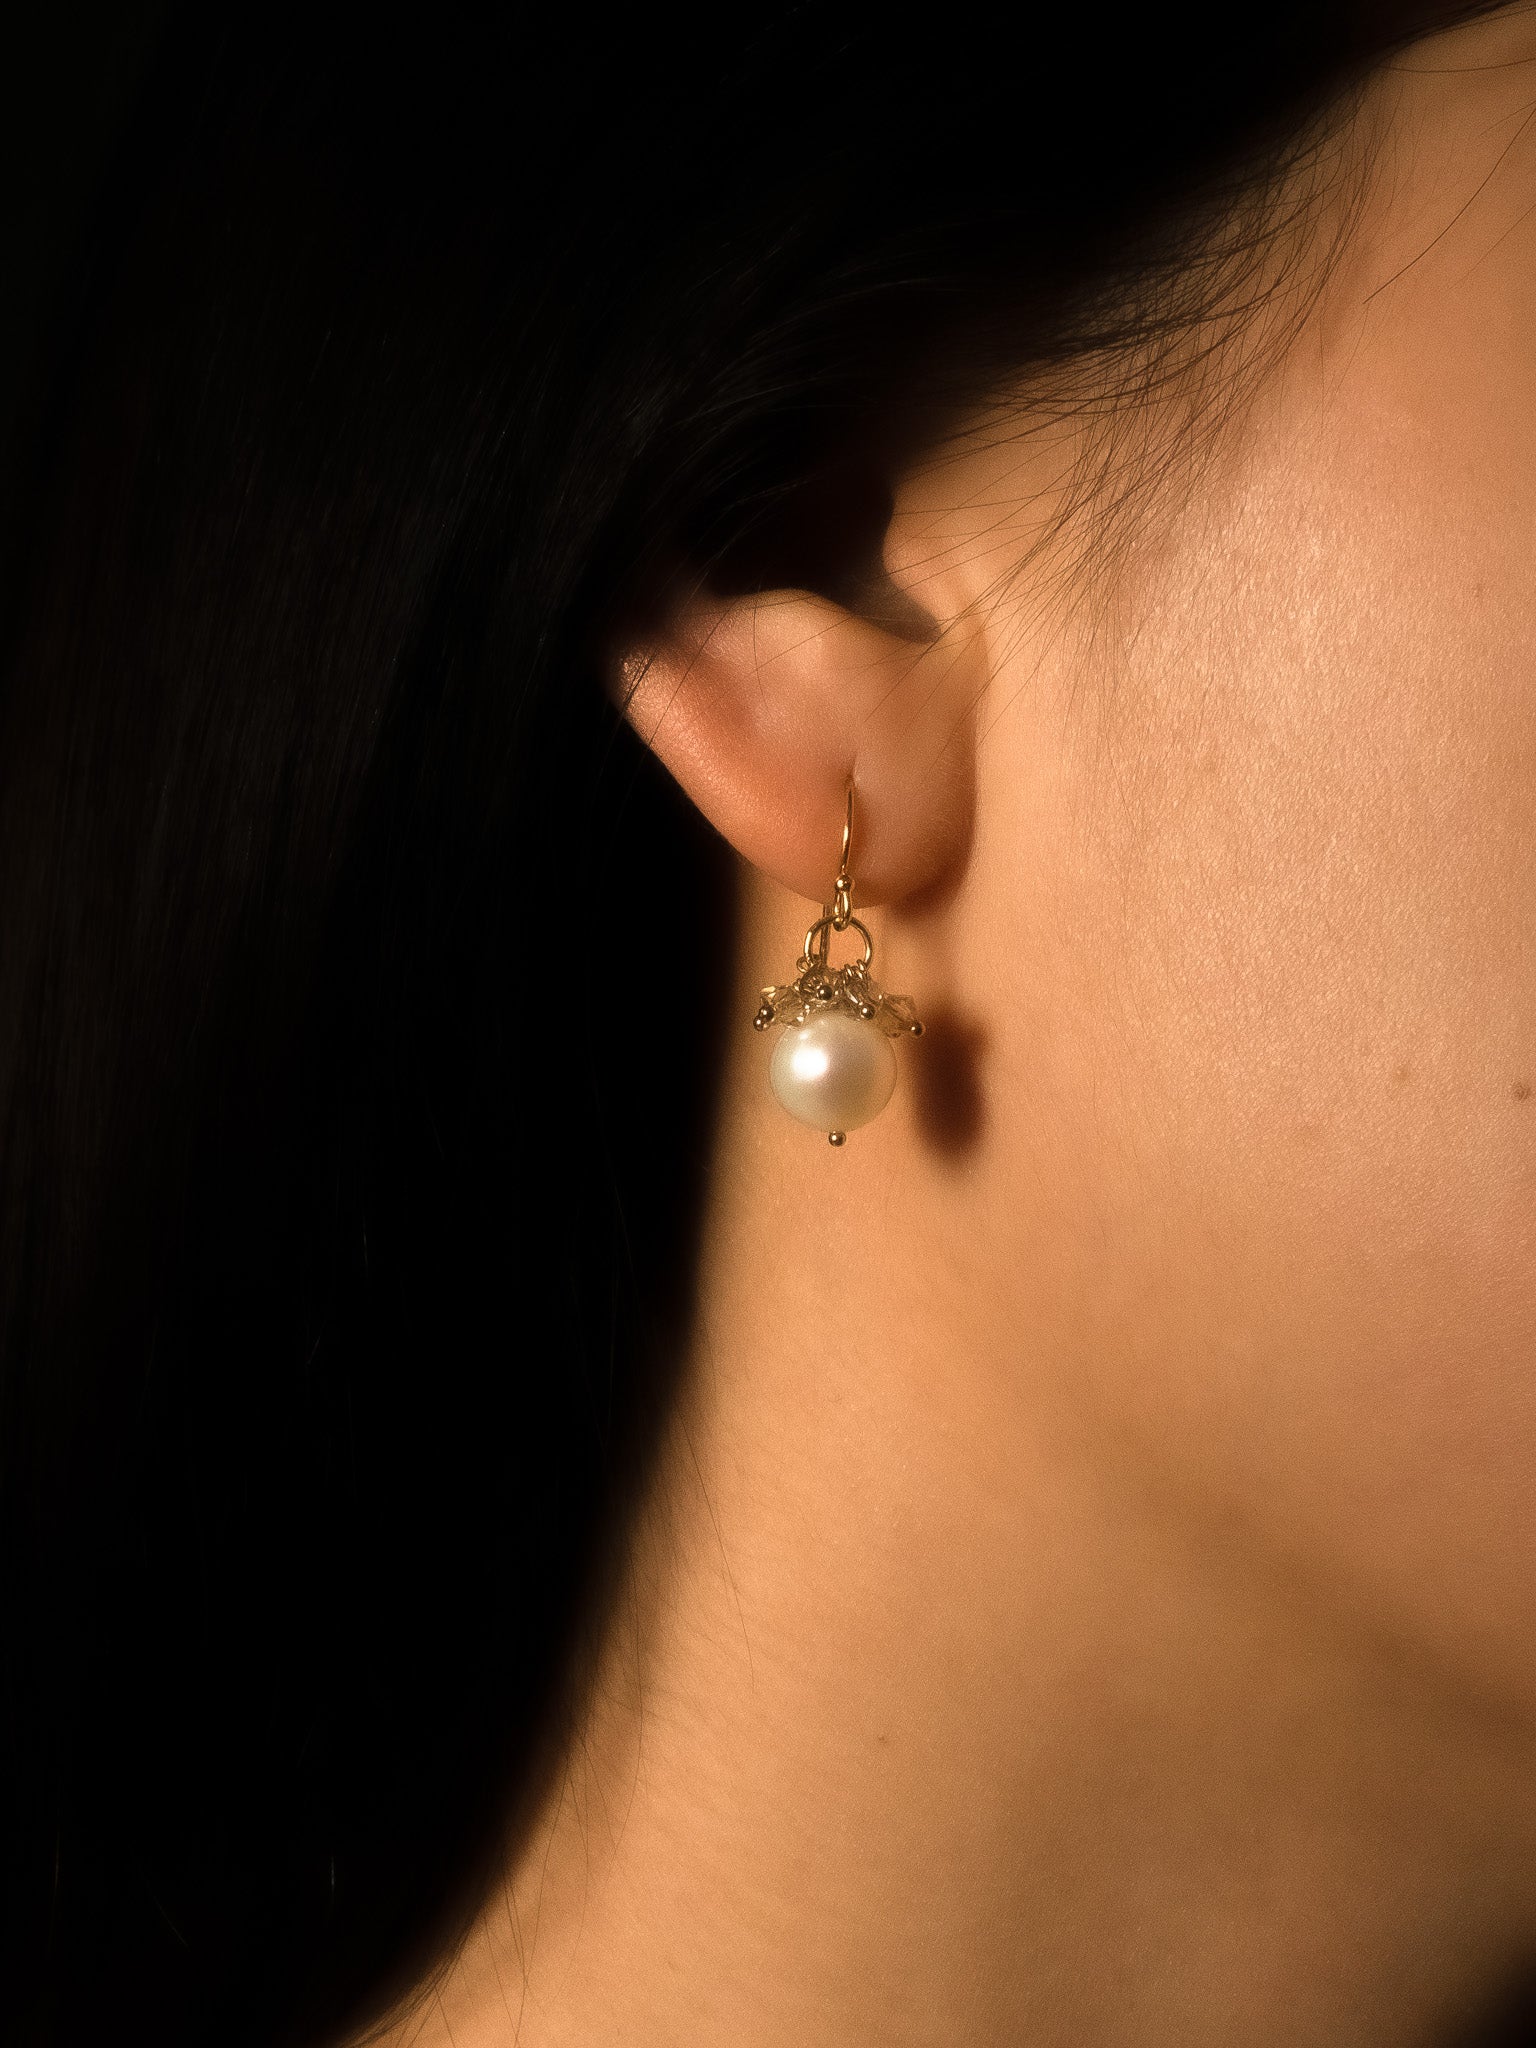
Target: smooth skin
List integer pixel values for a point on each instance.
(1089, 1593)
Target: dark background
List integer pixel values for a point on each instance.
(67, 72)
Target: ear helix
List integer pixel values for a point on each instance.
(834, 1067)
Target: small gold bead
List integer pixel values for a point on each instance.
(917, 1030)
(837, 1137)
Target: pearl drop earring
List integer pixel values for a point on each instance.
(834, 1067)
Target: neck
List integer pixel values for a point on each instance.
(926, 1721)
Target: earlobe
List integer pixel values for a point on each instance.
(764, 706)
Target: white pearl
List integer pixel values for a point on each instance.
(834, 1071)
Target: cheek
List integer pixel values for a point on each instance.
(1294, 1115)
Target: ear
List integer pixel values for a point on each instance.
(764, 706)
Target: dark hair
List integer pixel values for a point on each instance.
(361, 975)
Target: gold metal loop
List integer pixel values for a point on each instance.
(818, 939)
(840, 909)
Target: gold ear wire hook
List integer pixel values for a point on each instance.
(840, 909)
